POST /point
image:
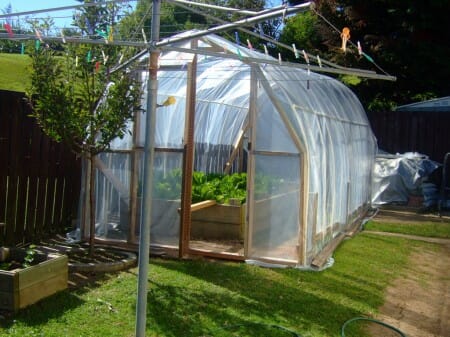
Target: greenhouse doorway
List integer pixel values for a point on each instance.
(209, 226)
(275, 232)
(216, 226)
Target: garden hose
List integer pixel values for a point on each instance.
(370, 320)
(295, 334)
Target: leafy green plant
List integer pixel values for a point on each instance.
(215, 186)
(30, 256)
(29, 259)
(211, 186)
(219, 187)
(167, 186)
(5, 265)
(78, 100)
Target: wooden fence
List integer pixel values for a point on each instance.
(39, 179)
(426, 132)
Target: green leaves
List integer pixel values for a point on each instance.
(30, 256)
(407, 39)
(167, 186)
(219, 187)
(212, 186)
(77, 101)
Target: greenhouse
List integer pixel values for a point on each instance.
(300, 139)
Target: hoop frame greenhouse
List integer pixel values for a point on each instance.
(301, 137)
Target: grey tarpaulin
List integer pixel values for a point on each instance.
(396, 177)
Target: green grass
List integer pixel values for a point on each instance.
(201, 298)
(14, 72)
(428, 229)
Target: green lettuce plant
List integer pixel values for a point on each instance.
(211, 186)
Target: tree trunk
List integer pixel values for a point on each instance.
(91, 205)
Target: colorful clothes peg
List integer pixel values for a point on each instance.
(8, 29)
(345, 36)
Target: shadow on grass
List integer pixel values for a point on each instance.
(205, 298)
(50, 308)
(311, 303)
(54, 306)
(240, 294)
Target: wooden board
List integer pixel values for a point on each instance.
(44, 288)
(322, 257)
(202, 204)
(218, 213)
(33, 275)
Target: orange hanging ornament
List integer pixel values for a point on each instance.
(345, 36)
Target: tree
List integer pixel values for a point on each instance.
(408, 39)
(94, 19)
(176, 19)
(173, 20)
(77, 101)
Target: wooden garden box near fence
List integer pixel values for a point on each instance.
(24, 286)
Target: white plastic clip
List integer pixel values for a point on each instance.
(297, 55)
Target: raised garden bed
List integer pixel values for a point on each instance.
(25, 285)
(218, 222)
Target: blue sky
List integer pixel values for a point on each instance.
(61, 18)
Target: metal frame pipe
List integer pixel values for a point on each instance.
(144, 239)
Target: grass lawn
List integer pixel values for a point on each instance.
(429, 229)
(201, 298)
(14, 72)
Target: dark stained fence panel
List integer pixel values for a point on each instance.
(39, 178)
(426, 132)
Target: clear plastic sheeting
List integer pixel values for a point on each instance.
(303, 139)
(331, 130)
(397, 177)
(165, 227)
(276, 209)
(112, 191)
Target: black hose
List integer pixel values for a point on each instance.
(370, 320)
(295, 334)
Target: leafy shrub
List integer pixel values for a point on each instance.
(167, 187)
(212, 186)
(219, 187)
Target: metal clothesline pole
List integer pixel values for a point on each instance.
(144, 235)
(239, 23)
(63, 8)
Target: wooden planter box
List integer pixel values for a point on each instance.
(22, 287)
(218, 222)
